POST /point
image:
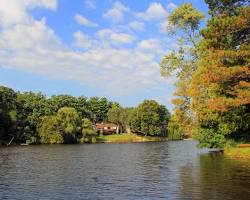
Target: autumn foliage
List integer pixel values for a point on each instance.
(220, 86)
(213, 88)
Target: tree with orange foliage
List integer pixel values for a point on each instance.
(220, 87)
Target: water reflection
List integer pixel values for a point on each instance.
(216, 177)
(172, 170)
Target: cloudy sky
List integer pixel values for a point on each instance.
(87, 47)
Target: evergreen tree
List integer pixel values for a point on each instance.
(221, 85)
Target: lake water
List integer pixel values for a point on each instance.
(165, 170)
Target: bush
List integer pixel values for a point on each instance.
(56, 139)
(230, 143)
(82, 140)
(174, 135)
(209, 138)
(31, 140)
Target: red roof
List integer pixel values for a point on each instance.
(102, 125)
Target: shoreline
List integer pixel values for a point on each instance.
(238, 153)
(128, 138)
(126, 142)
(108, 139)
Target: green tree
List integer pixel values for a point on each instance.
(115, 115)
(49, 131)
(30, 108)
(99, 108)
(7, 113)
(79, 103)
(88, 132)
(183, 22)
(82, 107)
(150, 118)
(164, 119)
(135, 121)
(68, 121)
(126, 116)
(217, 7)
(60, 101)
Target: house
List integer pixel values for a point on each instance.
(107, 128)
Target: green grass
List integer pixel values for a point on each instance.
(128, 137)
(236, 152)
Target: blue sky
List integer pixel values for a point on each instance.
(88, 47)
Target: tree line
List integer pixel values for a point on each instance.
(28, 117)
(212, 65)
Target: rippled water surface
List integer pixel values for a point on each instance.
(167, 170)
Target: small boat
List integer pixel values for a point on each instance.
(24, 144)
(215, 150)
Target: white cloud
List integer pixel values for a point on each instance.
(90, 4)
(82, 40)
(116, 71)
(137, 26)
(14, 11)
(49, 4)
(151, 45)
(171, 6)
(155, 11)
(84, 21)
(34, 35)
(116, 13)
(108, 35)
(30, 45)
(166, 99)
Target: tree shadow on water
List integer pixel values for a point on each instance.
(215, 177)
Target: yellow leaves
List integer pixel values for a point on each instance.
(185, 17)
(177, 102)
(181, 117)
(218, 104)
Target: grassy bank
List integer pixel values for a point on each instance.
(238, 153)
(128, 137)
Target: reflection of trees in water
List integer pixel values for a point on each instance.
(151, 162)
(188, 182)
(6, 164)
(151, 167)
(215, 178)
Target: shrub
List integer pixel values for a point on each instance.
(230, 143)
(209, 138)
(56, 139)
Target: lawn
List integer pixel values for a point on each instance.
(128, 137)
(242, 153)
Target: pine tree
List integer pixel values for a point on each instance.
(221, 85)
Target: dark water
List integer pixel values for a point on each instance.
(170, 170)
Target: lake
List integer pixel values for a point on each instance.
(164, 170)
